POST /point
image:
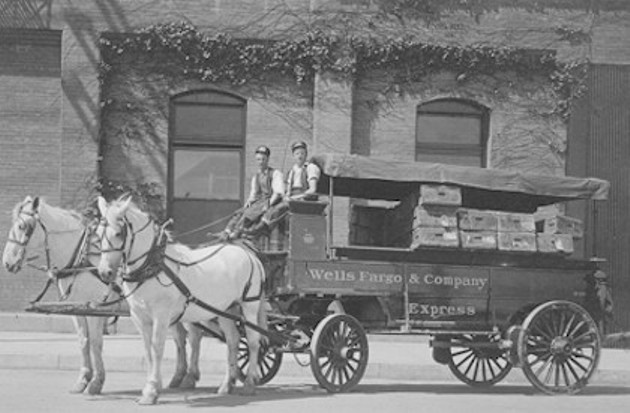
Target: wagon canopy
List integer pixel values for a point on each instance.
(372, 178)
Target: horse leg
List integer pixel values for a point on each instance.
(179, 335)
(193, 374)
(145, 327)
(95, 331)
(85, 372)
(158, 333)
(232, 338)
(252, 312)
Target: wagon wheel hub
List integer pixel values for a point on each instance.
(341, 354)
(561, 346)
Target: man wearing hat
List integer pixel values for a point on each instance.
(266, 189)
(301, 184)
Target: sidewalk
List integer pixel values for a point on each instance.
(24, 344)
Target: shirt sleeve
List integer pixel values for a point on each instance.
(313, 172)
(252, 190)
(277, 182)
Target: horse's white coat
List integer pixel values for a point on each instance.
(219, 278)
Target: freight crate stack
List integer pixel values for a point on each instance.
(516, 232)
(435, 217)
(477, 228)
(556, 234)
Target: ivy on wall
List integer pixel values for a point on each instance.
(180, 49)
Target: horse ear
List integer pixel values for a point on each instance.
(102, 205)
(35, 203)
(124, 204)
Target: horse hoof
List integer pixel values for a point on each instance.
(224, 390)
(249, 389)
(80, 385)
(189, 382)
(95, 387)
(78, 388)
(176, 382)
(147, 400)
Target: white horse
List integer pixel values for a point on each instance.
(70, 249)
(166, 282)
(64, 235)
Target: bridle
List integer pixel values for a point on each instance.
(126, 233)
(27, 226)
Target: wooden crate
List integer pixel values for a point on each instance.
(440, 195)
(558, 243)
(435, 216)
(561, 224)
(477, 220)
(478, 239)
(435, 237)
(517, 241)
(511, 222)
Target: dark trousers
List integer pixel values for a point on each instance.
(248, 216)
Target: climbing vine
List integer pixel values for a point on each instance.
(181, 49)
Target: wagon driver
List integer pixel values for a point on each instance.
(266, 190)
(301, 184)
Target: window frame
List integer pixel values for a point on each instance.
(217, 145)
(455, 149)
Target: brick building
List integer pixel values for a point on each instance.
(65, 123)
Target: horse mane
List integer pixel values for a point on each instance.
(135, 211)
(67, 214)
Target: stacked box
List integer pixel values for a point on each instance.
(517, 241)
(435, 216)
(440, 195)
(477, 220)
(562, 243)
(512, 222)
(477, 228)
(478, 239)
(435, 237)
(516, 232)
(561, 224)
(435, 225)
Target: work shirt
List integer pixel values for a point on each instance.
(265, 183)
(299, 176)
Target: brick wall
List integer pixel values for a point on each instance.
(30, 138)
(520, 137)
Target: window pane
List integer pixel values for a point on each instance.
(209, 123)
(206, 174)
(448, 129)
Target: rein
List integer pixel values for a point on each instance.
(76, 264)
(155, 263)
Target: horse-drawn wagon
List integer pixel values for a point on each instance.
(488, 305)
(445, 251)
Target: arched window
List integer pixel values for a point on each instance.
(207, 136)
(452, 131)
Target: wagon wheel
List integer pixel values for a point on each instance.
(269, 360)
(476, 362)
(559, 347)
(339, 352)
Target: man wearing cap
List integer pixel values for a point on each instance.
(266, 189)
(301, 184)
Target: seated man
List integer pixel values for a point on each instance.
(266, 190)
(301, 184)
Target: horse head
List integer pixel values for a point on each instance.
(25, 218)
(124, 230)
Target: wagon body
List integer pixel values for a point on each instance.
(488, 305)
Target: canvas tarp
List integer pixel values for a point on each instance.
(373, 178)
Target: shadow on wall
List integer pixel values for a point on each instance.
(25, 14)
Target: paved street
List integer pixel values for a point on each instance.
(46, 390)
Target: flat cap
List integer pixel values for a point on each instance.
(298, 145)
(263, 150)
